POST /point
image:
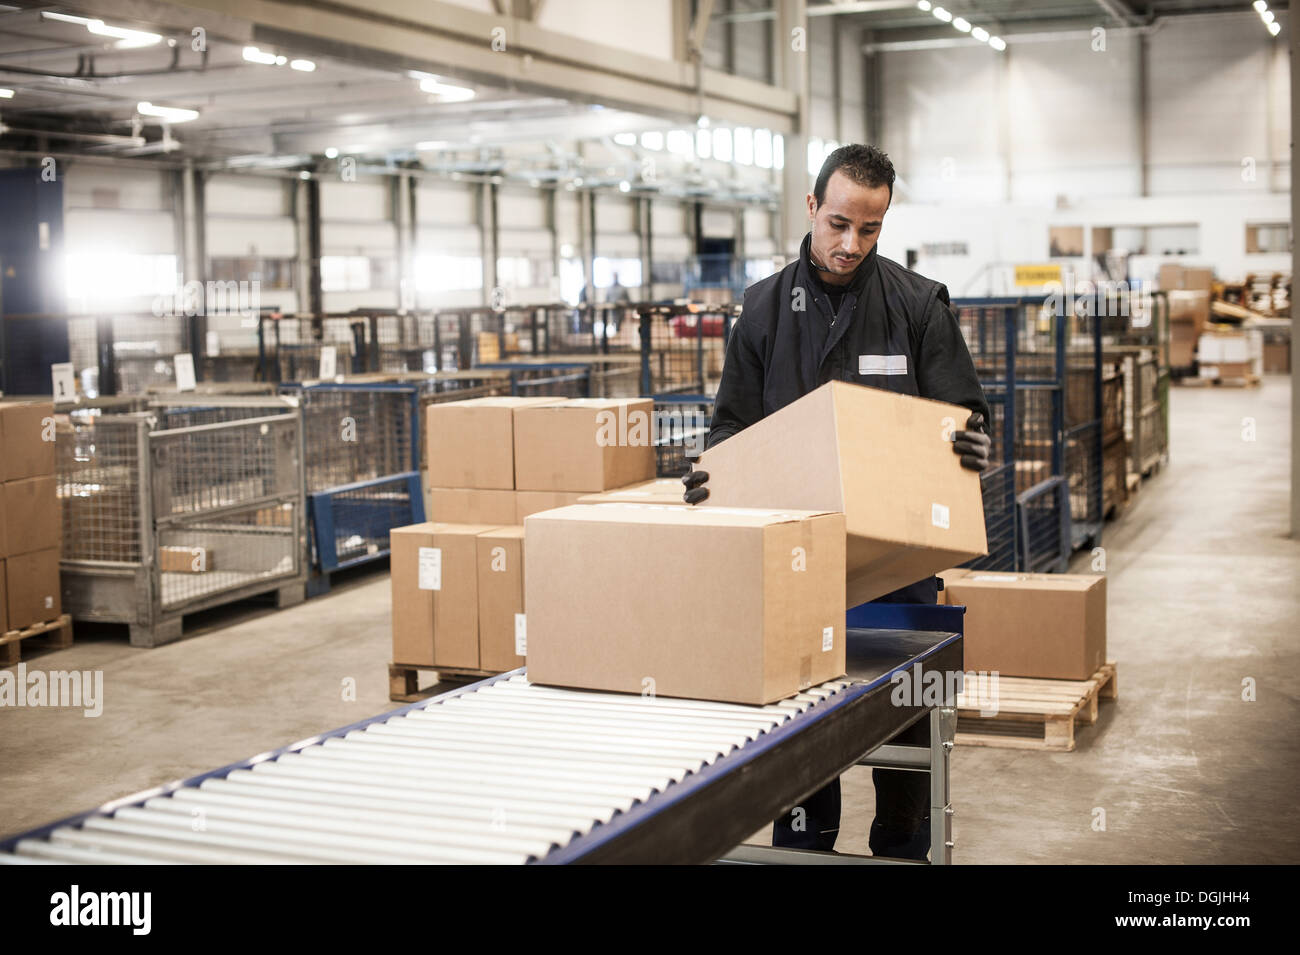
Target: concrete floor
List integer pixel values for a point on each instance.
(1203, 586)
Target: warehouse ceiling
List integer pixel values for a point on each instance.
(86, 86)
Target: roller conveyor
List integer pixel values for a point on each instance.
(505, 772)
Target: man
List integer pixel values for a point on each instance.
(842, 312)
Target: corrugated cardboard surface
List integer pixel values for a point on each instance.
(462, 505)
(471, 443)
(884, 459)
(32, 582)
(500, 596)
(436, 627)
(179, 559)
(31, 519)
(530, 502)
(658, 491)
(1051, 626)
(4, 602)
(718, 604)
(24, 452)
(584, 444)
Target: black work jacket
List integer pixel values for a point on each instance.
(894, 330)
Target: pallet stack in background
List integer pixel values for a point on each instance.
(458, 578)
(30, 525)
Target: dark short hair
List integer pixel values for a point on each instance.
(865, 165)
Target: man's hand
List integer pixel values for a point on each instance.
(695, 489)
(972, 444)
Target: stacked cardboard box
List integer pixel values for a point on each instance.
(1051, 626)
(1231, 353)
(30, 525)
(1189, 313)
(458, 580)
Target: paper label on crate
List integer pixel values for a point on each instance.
(64, 380)
(49, 603)
(199, 559)
(521, 635)
(939, 515)
(828, 639)
(430, 575)
(212, 343)
(329, 359)
(882, 364)
(184, 365)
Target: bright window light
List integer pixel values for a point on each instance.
(126, 39)
(448, 273)
(625, 139)
(104, 279)
(681, 142)
(743, 144)
(763, 148)
(605, 270)
(722, 144)
(446, 91)
(778, 151)
(703, 143)
(6, 94)
(815, 156)
(652, 140)
(344, 273)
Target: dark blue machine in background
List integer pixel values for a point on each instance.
(31, 281)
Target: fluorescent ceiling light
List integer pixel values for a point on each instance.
(1260, 6)
(625, 186)
(625, 139)
(980, 34)
(6, 94)
(253, 55)
(942, 14)
(1267, 16)
(997, 43)
(446, 91)
(430, 145)
(126, 39)
(923, 5)
(1275, 28)
(962, 24)
(172, 114)
(303, 66)
(331, 153)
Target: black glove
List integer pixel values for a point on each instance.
(695, 489)
(973, 445)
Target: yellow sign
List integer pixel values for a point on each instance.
(1029, 275)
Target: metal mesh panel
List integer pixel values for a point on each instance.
(362, 518)
(999, 492)
(356, 433)
(295, 353)
(223, 465)
(234, 549)
(1044, 527)
(984, 328)
(98, 484)
(144, 348)
(681, 427)
(685, 348)
(1083, 462)
(1036, 435)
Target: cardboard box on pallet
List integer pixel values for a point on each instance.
(463, 505)
(850, 448)
(435, 594)
(584, 444)
(26, 439)
(472, 444)
(31, 520)
(530, 502)
(1051, 626)
(32, 582)
(500, 598)
(730, 604)
(178, 559)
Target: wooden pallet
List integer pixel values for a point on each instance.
(1244, 381)
(1034, 714)
(58, 630)
(404, 680)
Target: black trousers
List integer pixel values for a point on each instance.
(901, 828)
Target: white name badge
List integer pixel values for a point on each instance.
(882, 364)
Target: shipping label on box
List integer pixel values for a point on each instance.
(729, 604)
(850, 448)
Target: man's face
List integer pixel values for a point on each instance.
(846, 226)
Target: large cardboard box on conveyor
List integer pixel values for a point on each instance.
(729, 604)
(884, 460)
(1050, 626)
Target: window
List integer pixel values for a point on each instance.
(275, 274)
(722, 145)
(778, 151)
(815, 156)
(605, 270)
(756, 269)
(763, 148)
(703, 143)
(681, 143)
(1268, 237)
(652, 140)
(344, 273)
(743, 140)
(104, 279)
(448, 273)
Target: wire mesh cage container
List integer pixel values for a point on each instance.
(998, 488)
(178, 506)
(681, 427)
(136, 351)
(683, 347)
(361, 468)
